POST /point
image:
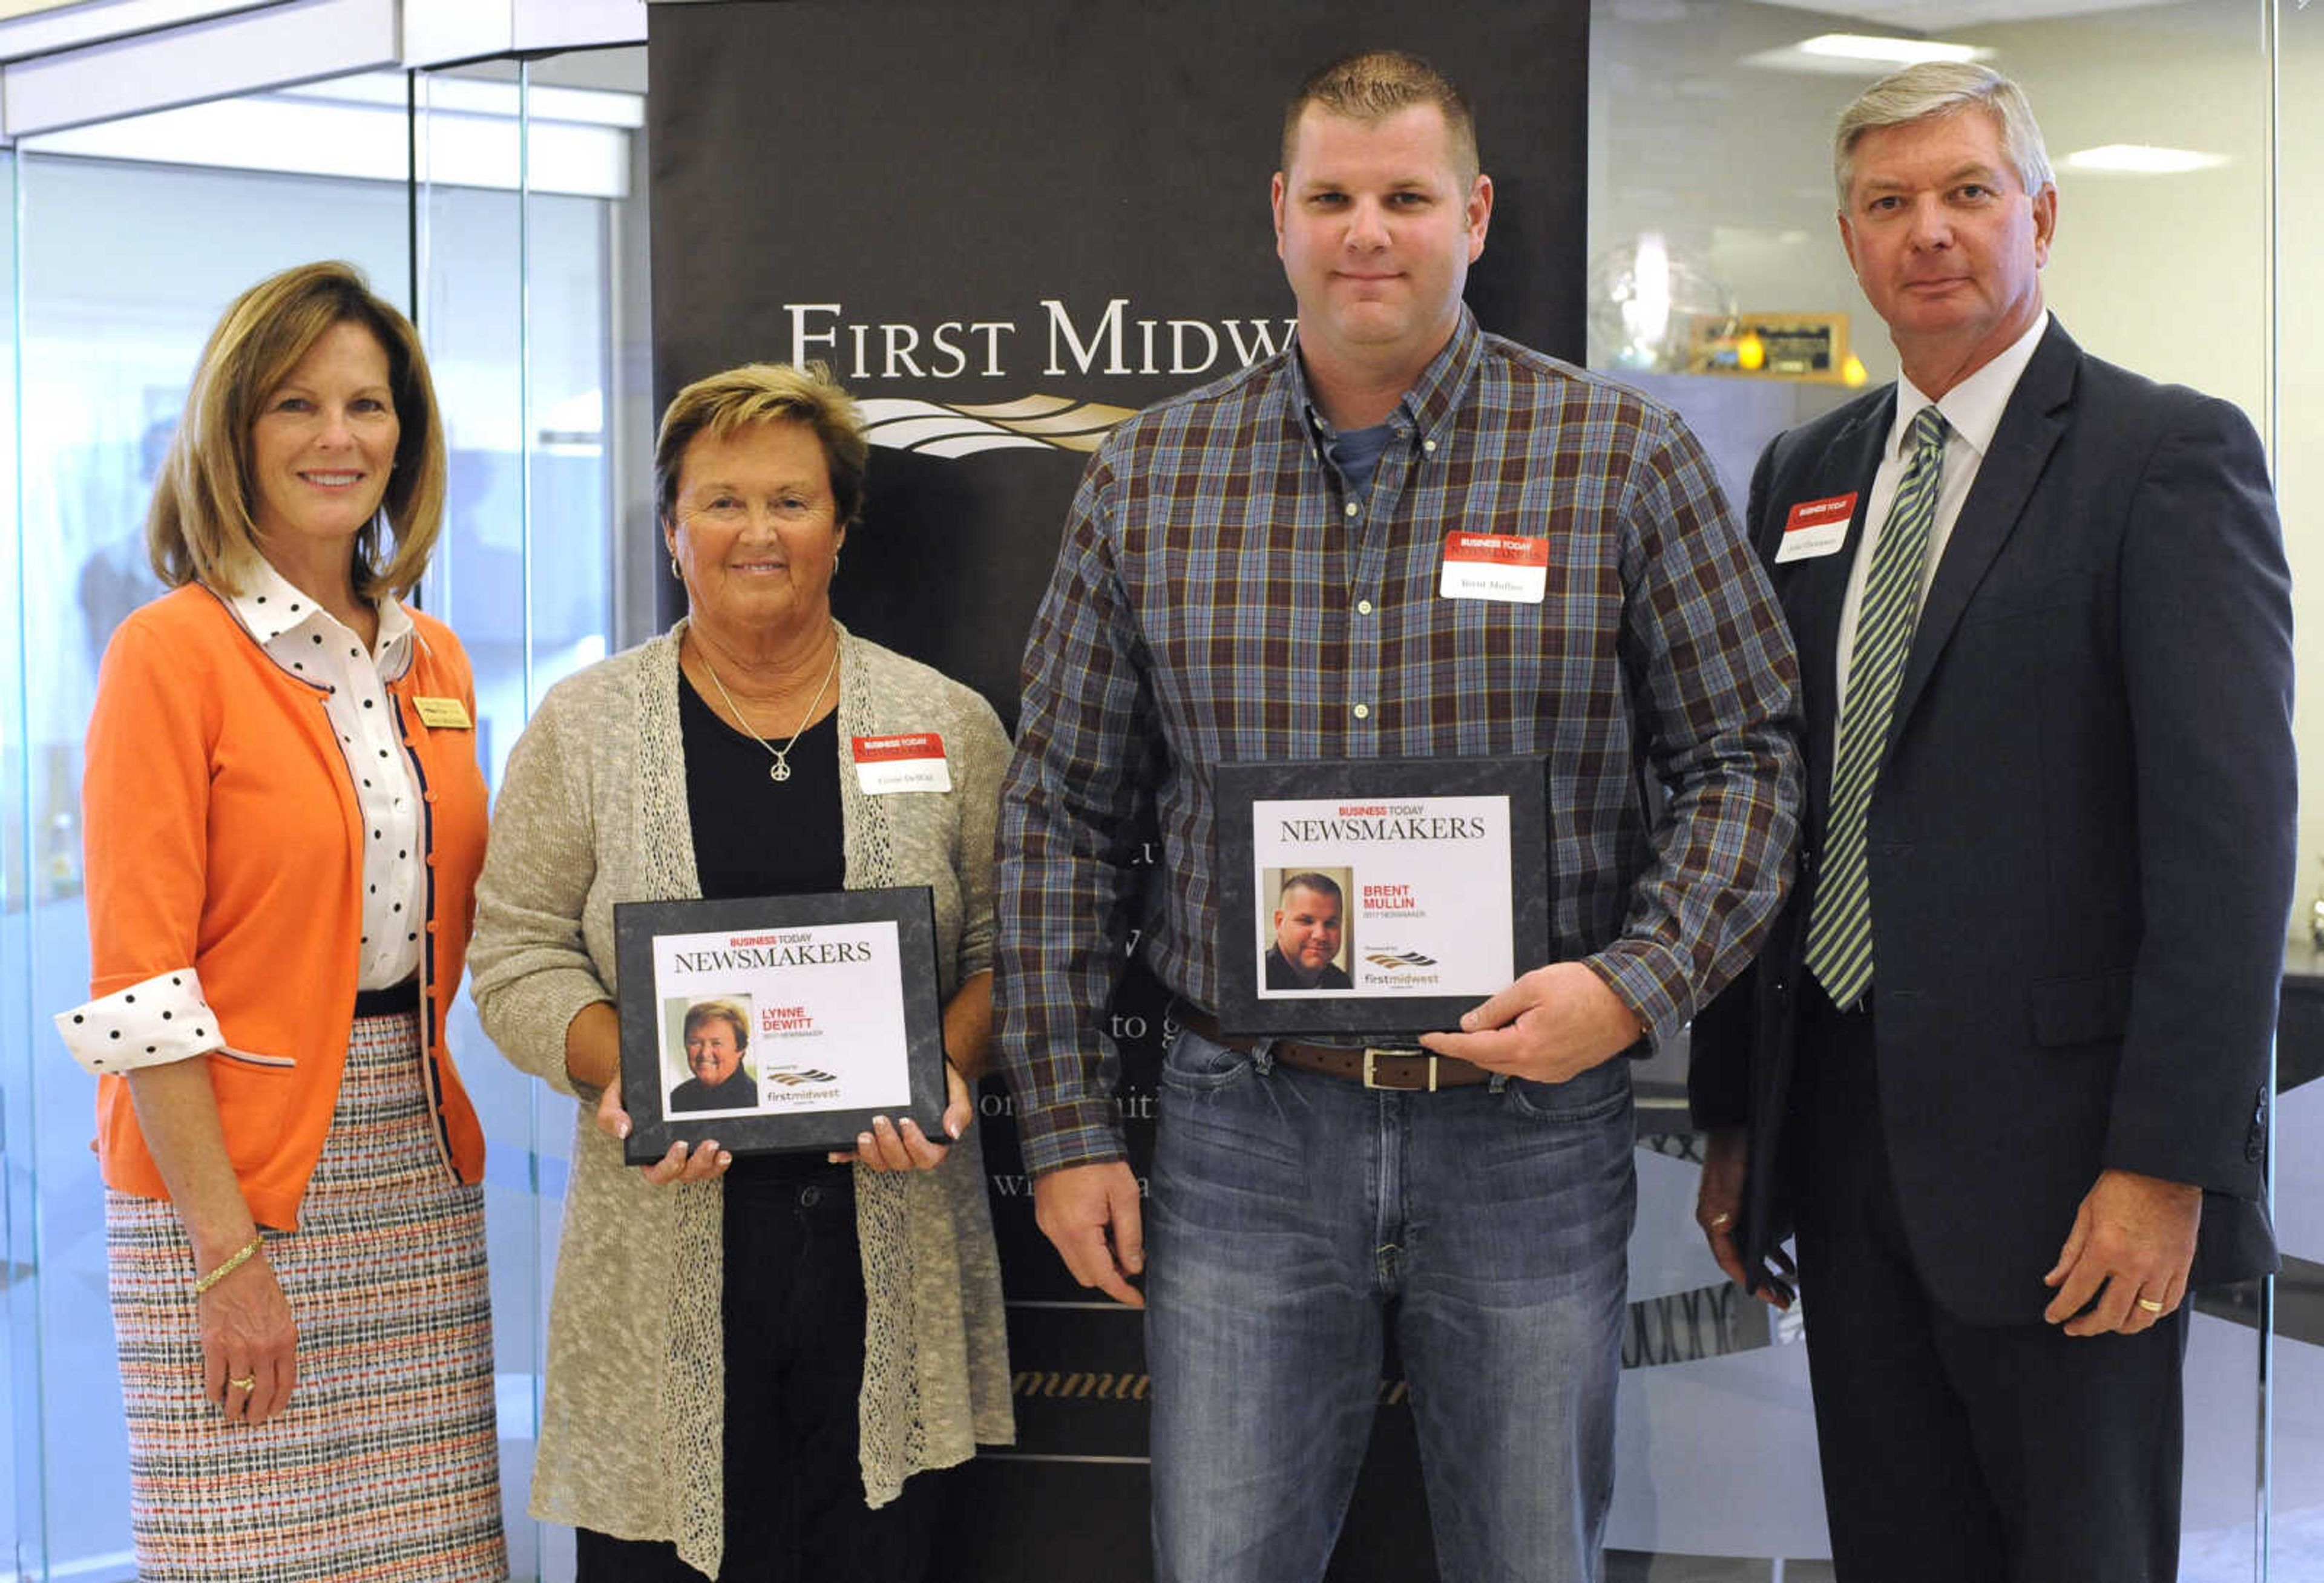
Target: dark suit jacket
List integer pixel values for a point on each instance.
(2080, 844)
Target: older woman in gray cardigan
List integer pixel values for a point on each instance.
(726, 1396)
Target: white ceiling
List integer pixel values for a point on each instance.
(1936, 16)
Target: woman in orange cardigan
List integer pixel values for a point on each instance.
(284, 822)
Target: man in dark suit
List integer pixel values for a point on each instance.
(2003, 1061)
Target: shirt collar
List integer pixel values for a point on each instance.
(1427, 407)
(1972, 408)
(272, 608)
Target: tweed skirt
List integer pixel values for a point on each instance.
(385, 1464)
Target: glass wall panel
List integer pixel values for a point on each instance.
(112, 321)
(135, 236)
(1712, 216)
(23, 1536)
(532, 306)
(2297, 1471)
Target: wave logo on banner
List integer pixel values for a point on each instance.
(792, 1077)
(937, 429)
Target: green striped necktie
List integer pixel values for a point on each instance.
(1840, 923)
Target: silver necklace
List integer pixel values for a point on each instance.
(780, 770)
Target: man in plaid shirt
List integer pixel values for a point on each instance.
(1251, 571)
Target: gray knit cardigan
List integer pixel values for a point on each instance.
(592, 810)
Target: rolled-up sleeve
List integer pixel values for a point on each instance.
(145, 800)
(1073, 799)
(1720, 684)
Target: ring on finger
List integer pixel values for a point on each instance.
(247, 1382)
(1719, 1220)
(2150, 1305)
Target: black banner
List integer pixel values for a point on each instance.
(1005, 227)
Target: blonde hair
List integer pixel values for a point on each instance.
(1943, 88)
(719, 404)
(202, 525)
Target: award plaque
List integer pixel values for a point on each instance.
(1361, 896)
(778, 1023)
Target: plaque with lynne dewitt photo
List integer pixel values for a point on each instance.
(778, 1023)
(1363, 895)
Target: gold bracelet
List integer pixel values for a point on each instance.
(227, 1266)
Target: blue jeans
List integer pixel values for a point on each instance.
(1292, 1216)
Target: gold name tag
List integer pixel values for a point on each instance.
(443, 713)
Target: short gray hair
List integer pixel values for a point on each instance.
(1943, 88)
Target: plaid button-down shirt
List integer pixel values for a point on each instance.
(1220, 595)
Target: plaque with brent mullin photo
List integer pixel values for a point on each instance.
(1377, 895)
(779, 1023)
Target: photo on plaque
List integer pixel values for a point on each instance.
(706, 1063)
(1377, 895)
(778, 1023)
(1307, 940)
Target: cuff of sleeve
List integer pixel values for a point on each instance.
(154, 1023)
(2232, 1164)
(1078, 1132)
(1638, 982)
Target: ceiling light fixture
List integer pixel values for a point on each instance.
(2139, 159)
(1889, 52)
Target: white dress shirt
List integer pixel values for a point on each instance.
(1972, 411)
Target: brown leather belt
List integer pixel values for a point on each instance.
(1371, 1065)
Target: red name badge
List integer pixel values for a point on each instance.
(1512, 567)
(1814, 527)
(913, 762)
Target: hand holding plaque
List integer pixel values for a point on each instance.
(780, 1023)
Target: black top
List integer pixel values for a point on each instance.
(1282, 975)
(738, 1092)
(754, 835)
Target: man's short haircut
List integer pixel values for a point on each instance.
(727, 1011)
(1943, 88)
(1376, 84)
(1320, 884)
(719, 404)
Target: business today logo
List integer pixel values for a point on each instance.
(1113, 342)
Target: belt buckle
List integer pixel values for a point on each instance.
(1373, 1052)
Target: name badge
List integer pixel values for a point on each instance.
(443, 714)
(1509, 567)
(914, 762)
(1814, 527)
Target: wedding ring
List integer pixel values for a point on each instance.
(1718, 1220)
(2150, 1305)
(248, 1382)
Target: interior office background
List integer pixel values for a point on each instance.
(486, 165)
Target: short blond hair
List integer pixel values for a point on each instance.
(1943, 88)
(1373, 85)
(718, 404)
(202, 526)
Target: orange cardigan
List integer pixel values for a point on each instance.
(222, 830)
